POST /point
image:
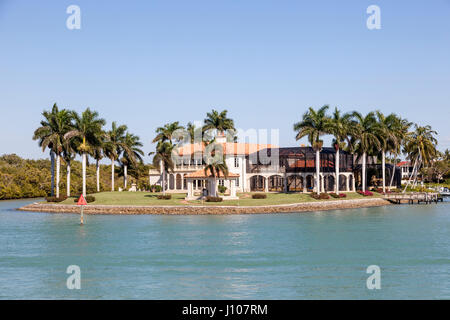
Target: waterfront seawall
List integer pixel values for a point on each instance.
(207, 209)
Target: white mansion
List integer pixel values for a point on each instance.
(258, 167)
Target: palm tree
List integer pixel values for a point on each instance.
(69, 156)
(216, 166)
(314, 125)
(162, 160)
(131, 153)
(51, 135)
(112, 146)
(338, 126)
(422, 144)
(388, 138)
(193, 131)
(218, 121)
(88, 131)
(366, 131)
(97, 154)
(167, 133)
(401, 131)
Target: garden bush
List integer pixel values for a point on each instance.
(322, 196)
(155, 188)
(366, 193)
(340, 195)
(55, 199)
(259, 196)
(314, 195)
(164, 196)
(222, 189)
(213, 199)
(88, 199)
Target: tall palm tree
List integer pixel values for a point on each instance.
(112, 146)
(167, 133)
(68, 156)
(402, 133)
(97, 154)
(388, 138)
(218, 121)
(216, 166)
(162, 160)
(366, 131)
(314, 125)
(422, 143)
(132, 154)
(51, 135)
(88, 131)
(193, 131)
(338, 126)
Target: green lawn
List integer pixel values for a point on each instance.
(150, 199)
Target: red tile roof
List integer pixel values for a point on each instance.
(201, 174)
(404, 163)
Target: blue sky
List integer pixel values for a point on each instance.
(146, 63)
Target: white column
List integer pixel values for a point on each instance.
(233, 188)
(353, 182)
(322, 188)
(266, 184)
(190, 193)
(347, 183)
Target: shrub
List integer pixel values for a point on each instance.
(324, 196)
(213, 199)
(164, 196)
(340, 195)
(222, 189)
(55, 199)
(259, 196)
(88, 199)
(155, 188)
(366, 193)
(314, 195)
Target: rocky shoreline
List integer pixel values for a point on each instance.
(202, 210)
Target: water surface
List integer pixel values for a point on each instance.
(317, 255)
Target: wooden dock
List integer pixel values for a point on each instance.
(418, 197)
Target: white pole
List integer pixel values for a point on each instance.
(68, 179)
(337, 170)
(84, 173)
(58, 169)
(318, 171)
(383, 154)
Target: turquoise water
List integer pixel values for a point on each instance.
(318, 255)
